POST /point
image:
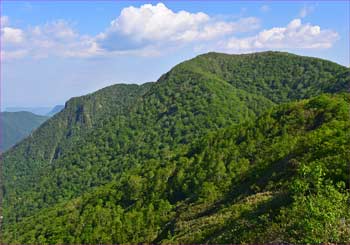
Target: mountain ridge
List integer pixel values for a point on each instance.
(125, 138)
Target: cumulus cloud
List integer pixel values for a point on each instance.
(157, 24)
(151, 30)
(12, 35)
(57, 30)
(60, 39)
(11, 39)
(140, 30)
(56, 38)
(295, 35)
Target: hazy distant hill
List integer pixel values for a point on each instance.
(42, 111)
(17, 125)
(249, 148)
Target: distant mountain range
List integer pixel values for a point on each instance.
(43, 111)
(222, 149)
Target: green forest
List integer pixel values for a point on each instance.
(251, 148)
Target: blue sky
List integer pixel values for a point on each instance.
(52, 51)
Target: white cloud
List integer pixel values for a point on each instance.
(145, 30)
(156, 24)
(56, 38)
(295, 35)
(151, 30)
(11, 35)
(58, 30)
(306, 10)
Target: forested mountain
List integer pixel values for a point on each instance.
(217, 150)
(15, 126)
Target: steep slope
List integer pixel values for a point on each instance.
(33, 158)
(282, 179)
(15, 126)
(101, 144)
(245, 184)
(159, 124)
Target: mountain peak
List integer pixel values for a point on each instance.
(213, 148)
